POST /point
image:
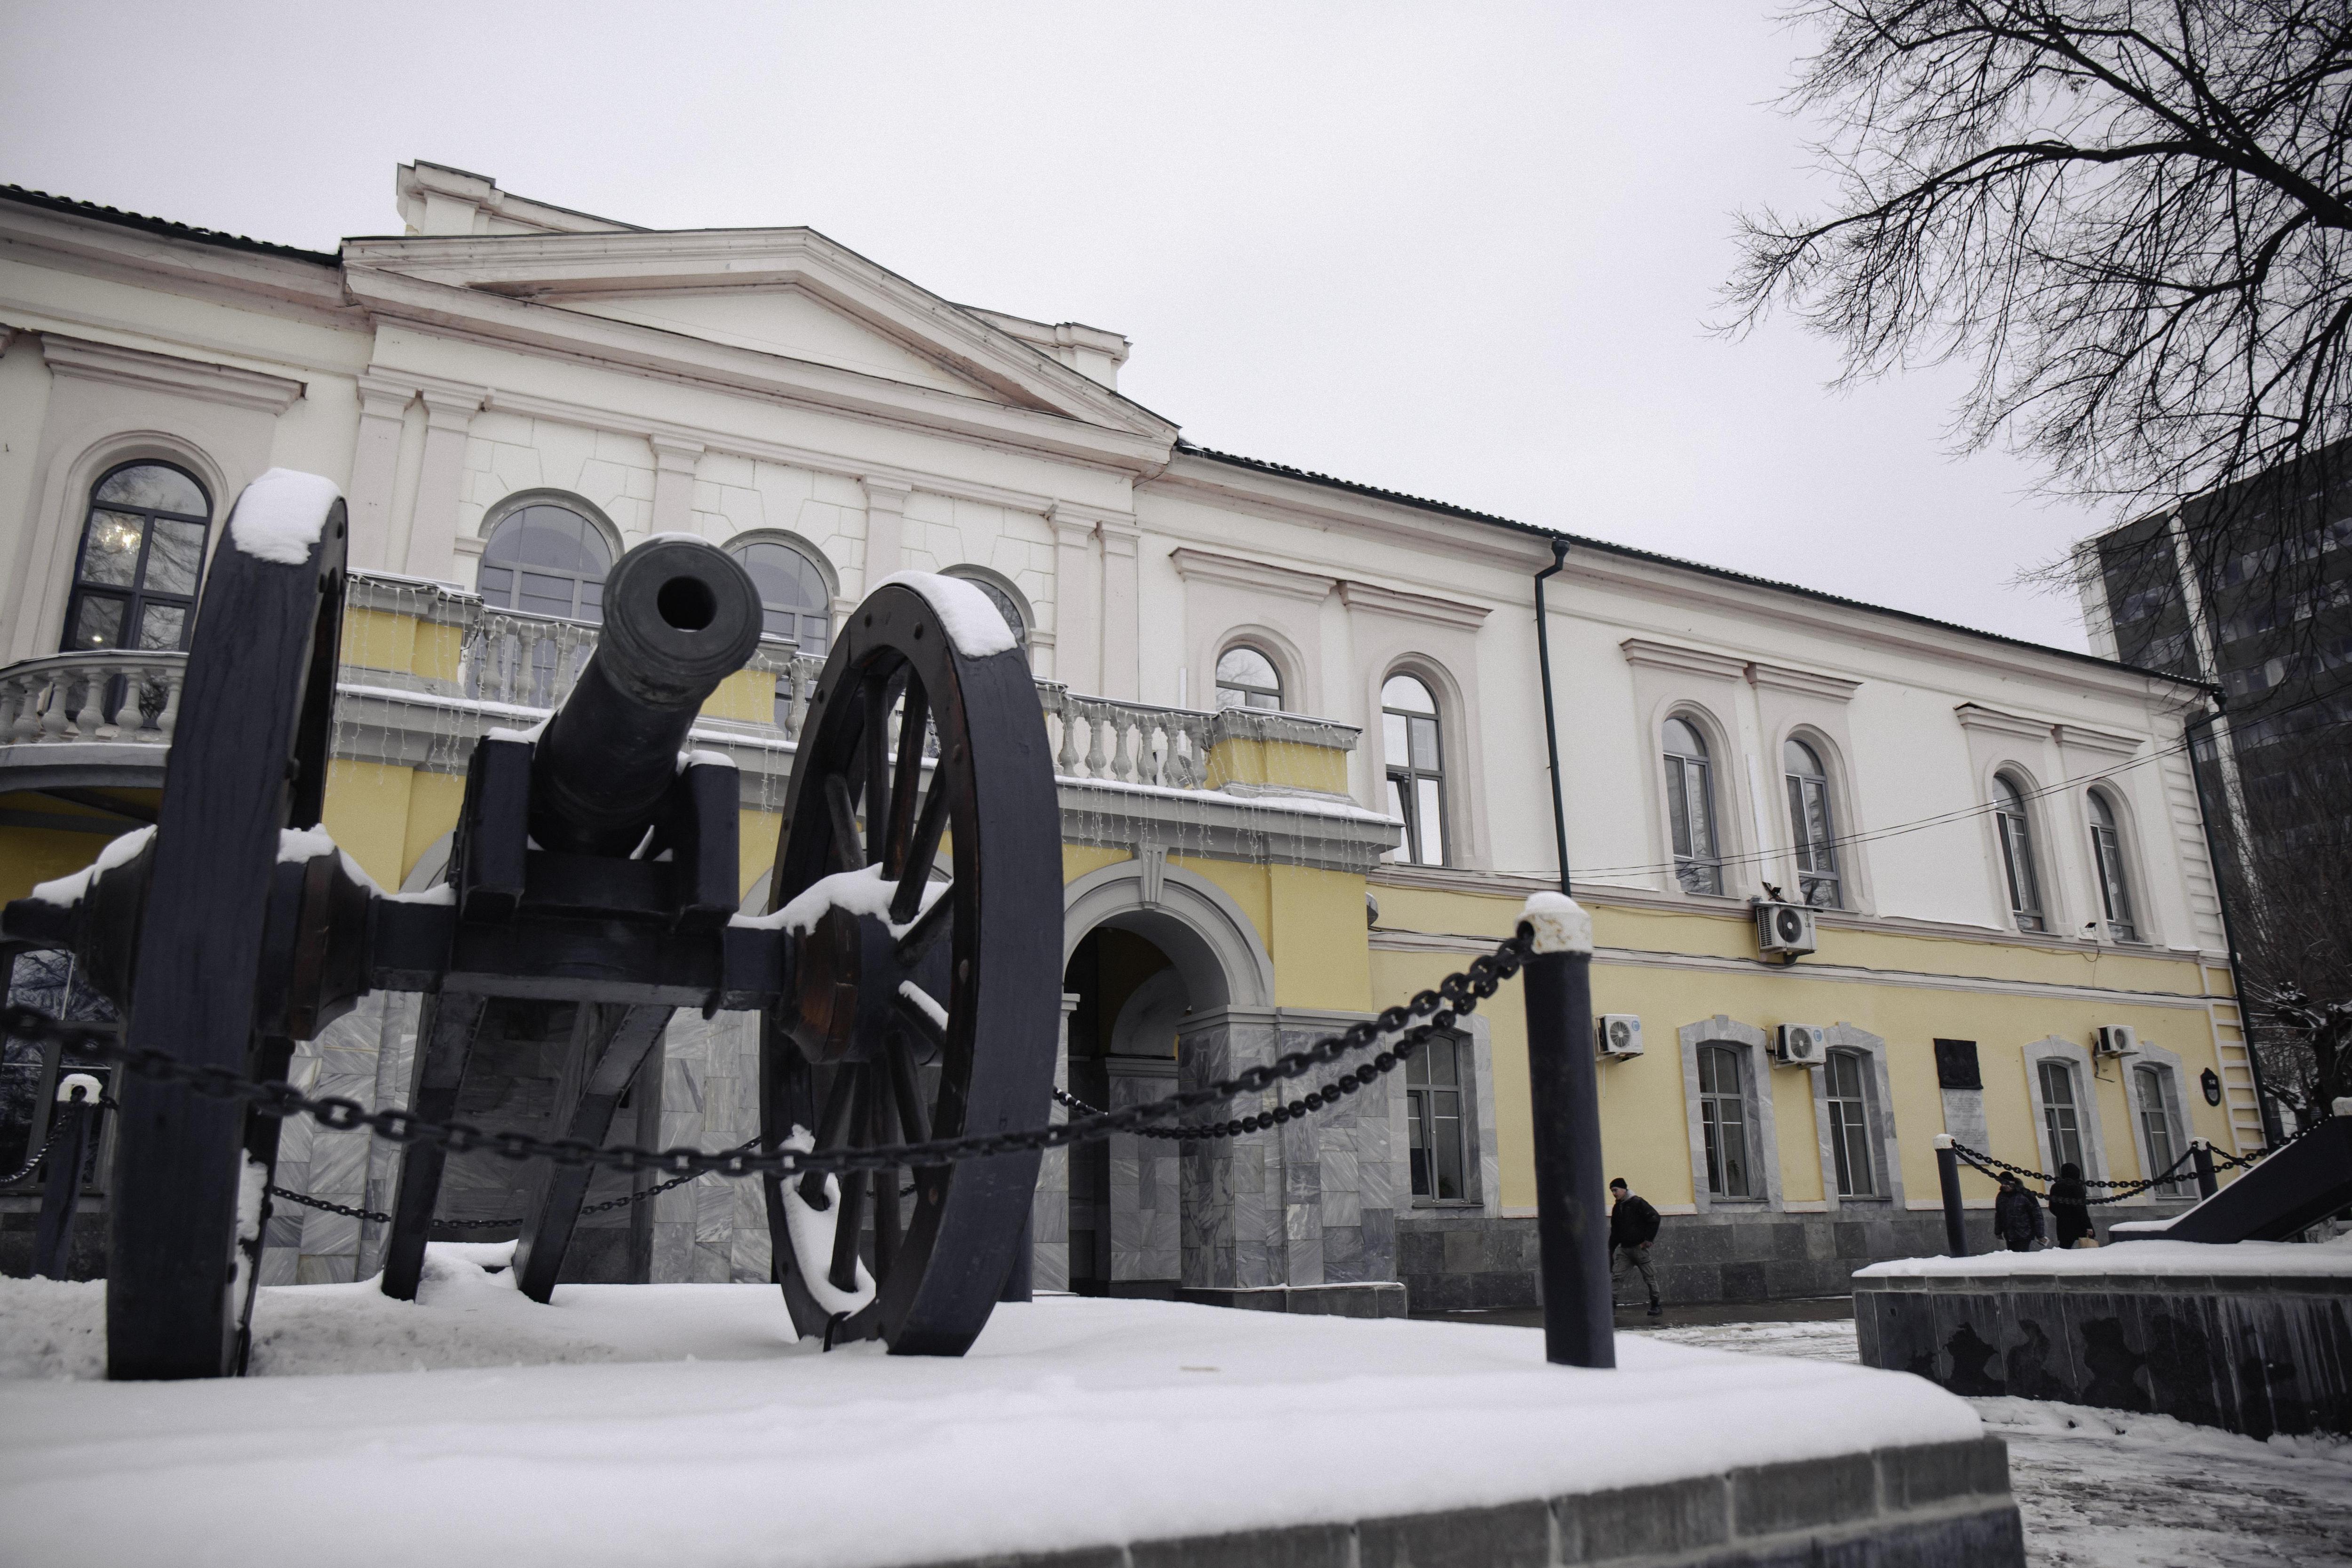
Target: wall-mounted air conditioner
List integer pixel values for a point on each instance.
(1620, 1035)
(1784, 931)
(2118, 1040)
(1802, 1046)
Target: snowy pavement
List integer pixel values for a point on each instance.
(2103, 1489)
(680, 1423)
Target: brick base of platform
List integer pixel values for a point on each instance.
(1944, 1505)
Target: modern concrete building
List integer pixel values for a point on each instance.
(1300, 737)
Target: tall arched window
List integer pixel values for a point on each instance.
(2156, 1124)
(2107, 855)
(2017, 853)
(1248, 678)
(1812, 828)
(1849, 1123)
(546, 560)
(2061, 1118)
(794, 599)
(1416, 767)
(142, 552)
(1690, 809)
(1723, 1118)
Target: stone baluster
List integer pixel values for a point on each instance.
(101, 675)
(174, 675)
(13, 698)
(1098, 717)
(63, 705)
(1122, 764)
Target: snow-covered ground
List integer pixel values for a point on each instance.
(2100, 1488)
(680, 1425)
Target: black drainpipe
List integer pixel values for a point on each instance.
(1552, 724)
(2266, 1108)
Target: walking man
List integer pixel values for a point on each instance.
(2016, 1216)
(1633, 1225)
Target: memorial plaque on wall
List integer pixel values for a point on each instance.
(1956, 1065)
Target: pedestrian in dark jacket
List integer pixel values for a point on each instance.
(2070, 1213)
(1633, 1225)
(2016, 1215)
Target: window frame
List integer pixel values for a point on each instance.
(1219, 685)
(1422, 1120)
(1850, 1130)
(1827, 871)
(1404, 777)
(2110, 869)
(514, 506)
(2172, 1107)
(136, 596)
(2052, 1134)
(2014, 831)
(1677, 773)
(1713, 1127)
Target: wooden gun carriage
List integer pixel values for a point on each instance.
(909, 976)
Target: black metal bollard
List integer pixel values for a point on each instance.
(1947, 1176)
(2208, 1182)
(1572, 1208)
(61, 1189)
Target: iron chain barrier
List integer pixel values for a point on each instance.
(379, 1216)
(1410, 1024)
(1989, 1166)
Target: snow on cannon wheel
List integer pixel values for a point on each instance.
(921, 1007)
(248, 759)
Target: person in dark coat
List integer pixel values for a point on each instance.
(2016, 1215)
(2070, 1213)
(1633, 1225)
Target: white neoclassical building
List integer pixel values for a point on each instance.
(1300, 726)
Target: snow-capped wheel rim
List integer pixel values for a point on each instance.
(248, 759)
(936, 1016)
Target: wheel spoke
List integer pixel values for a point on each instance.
(922, 849)
(881, 1130)
(905, 784)
(919, 1018)
(923, 932)
(906, 1091)
(831, 1129)
(874, 743)
(848, 844)
(850, 1217)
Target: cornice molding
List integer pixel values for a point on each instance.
(82, 359)
(1993, 721)
(1255, 576)
(1683, 660)
(2082, 736)
(1804, 682)
(1381, 601)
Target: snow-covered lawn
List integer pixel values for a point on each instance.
(2102, 1488)
(681, 1425)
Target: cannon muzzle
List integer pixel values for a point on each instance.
(680, 616)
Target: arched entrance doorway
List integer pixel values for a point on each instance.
(1150, 950)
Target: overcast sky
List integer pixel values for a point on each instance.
(1465, 251)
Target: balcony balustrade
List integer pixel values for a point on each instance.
(105, 697)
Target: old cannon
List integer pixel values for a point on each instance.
(907, 971)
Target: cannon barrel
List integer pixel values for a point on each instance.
(680, 616)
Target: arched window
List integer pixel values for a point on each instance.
(794, 599)
(2158, 1124)
(1842, 1086)
(1248, 678)
(1690, 809)
(2107, 855)
(1416, 768)
(1006, 605)
(546, 560)
(2060, 1118)
(1723, 1118)
(1812, 829)
(2017, 853)
(142, 552)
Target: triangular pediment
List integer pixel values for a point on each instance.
(782, 319)
(791, 295)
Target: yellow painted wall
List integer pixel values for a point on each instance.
(1240, 760)
(385, 817)
(34, 855)
(1320, 956)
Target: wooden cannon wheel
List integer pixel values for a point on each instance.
(920, 1007)
(248, 759)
